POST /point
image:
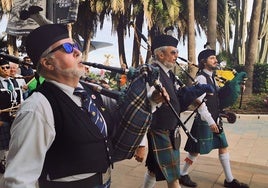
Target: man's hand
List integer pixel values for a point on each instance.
(159, 97)
(140, 153)
(214, 128)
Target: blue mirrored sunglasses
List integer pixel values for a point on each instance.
(67, 47)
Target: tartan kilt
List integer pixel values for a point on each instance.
(207, 140)
(4, 136)
(161, 154)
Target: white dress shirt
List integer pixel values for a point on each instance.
(32, 134)
(13, 94)
(203, 110)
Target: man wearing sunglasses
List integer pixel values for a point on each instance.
(10, 95)
(26, 68)
(54, 141)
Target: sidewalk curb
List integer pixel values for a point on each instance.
(241, 116)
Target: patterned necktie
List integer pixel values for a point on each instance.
(91, 108)
(9, 85)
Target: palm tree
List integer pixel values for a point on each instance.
(212, 23)
(90, 14)
(191, 37)
(253, 44)
(263, 33)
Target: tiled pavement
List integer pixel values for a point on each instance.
(248, 147)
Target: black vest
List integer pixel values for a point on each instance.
(212, 100)
(79, 147)
(163, 117)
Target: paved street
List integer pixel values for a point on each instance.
(248, 141)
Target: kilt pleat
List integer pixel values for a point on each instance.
(207, 140)
(166, 157)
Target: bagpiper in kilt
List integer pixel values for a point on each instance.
(162, 158)
(10, 93)
(207, 140)
(207, 126)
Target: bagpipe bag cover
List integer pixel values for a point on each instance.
(135, 116)
(229, 93)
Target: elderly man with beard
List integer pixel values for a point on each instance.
(163, 159)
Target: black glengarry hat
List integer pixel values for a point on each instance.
(3, 61)
(42, 38)
(164, 40)
(205, 54)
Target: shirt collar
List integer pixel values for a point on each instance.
(65, 88)
(165, 69)
(208, 72)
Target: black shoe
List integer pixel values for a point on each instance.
(186, 180)
(2, 166)
(235, 184)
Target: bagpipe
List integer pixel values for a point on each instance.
(230, 83)
(229, 92)
(134, 113)
(231, 87)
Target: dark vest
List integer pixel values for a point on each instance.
(6, 102)
(163, 117)
(212, 100)
(79, 147)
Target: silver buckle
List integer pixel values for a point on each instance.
(106, 176)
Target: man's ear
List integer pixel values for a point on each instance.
(161, 55)
(47, 63)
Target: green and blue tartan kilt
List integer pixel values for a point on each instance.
(162, 154)
(4, 135)
(207, 140)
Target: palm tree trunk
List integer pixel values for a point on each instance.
(120, 38)
(243, 32)
(191, 39)
(212, 23)
(263, 33)
(136, 53)
(253, 44)
(227, 28)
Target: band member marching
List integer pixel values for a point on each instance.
(207, 126)
(10, 98)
